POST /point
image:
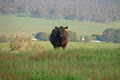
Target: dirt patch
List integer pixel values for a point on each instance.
(44, 56)
(51, 56)
(2, 65)
(12, 57)
(7, 76)
(107, 78)
(68, 55)
(63, 67)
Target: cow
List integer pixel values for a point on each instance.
(59, 37)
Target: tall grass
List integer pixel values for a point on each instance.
(74, 63)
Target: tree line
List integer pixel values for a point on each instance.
(108, 35)
(92, 10)
(43, 36)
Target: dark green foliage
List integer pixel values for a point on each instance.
(117, 36)
(108, 35)
(97, 36)
(36, 14)
(88, 38)
(43, 36)
(111, 35)
(72, 36)
(70, 17)
(96, 10)
(52, 13)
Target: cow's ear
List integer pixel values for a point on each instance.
(56, 27)
(66, 27)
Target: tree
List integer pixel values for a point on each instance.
(73, 36)
(108, 35)
(36, 14)
(117, 36)
(43, 36)
(96, 10)
(111, 35)
(69, 17)
(97, 36)
(88, 38)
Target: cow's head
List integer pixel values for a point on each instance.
(61, 30)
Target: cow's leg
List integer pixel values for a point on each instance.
(64, 46)
(55, 47)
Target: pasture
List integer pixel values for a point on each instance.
(28, 25)
(79, 61)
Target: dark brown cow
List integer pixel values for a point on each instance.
(59, 37)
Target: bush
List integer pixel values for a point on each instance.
(20, 43)
(42, 36)
(111, 35)
(36, 47)
(73, 36)
(6, 38)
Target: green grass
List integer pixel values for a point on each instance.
(28, 26)
(80, 61)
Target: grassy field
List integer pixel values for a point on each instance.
(28, 26)
(80, 61)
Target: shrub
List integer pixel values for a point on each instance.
(6, 38)
(36, 47)
(20, 43)
(111, 35)
(73, 36)
(43, 36)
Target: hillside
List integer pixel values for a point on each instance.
(28, 26)
(103, 11)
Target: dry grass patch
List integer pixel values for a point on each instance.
(8, 76)
(51, 56)
(43, 56)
